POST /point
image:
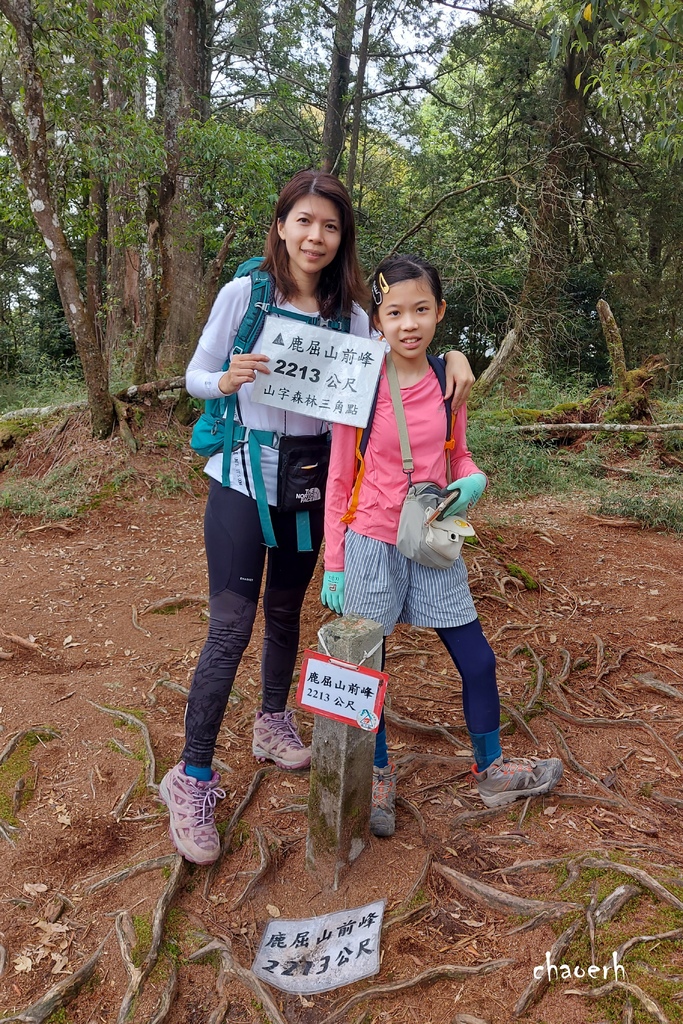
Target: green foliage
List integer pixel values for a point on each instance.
(16, 767)
(658, 512)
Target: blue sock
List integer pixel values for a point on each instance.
(381, 752)
(486, 747)
(201, 774)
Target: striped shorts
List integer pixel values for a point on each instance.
(382, 584)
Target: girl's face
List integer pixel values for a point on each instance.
(311, 232)
(408, 317)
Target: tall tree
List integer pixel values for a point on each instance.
(27, 137)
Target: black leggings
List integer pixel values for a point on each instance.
(236, 556)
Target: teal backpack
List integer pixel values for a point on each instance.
(216, 429)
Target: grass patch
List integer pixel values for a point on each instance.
(663, 512)
(63, 493)
(16, 767)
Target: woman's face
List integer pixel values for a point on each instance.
(311, 232)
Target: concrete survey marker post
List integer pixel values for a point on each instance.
(341, 764)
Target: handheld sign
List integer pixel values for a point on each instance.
(348, 693)
(318, 372)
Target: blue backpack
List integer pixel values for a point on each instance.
(216, 429)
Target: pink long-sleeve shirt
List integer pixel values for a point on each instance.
(384, 484)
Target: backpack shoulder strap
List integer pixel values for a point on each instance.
(439, 367)
(252, 321)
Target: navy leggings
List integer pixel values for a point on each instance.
(476, 663)
(236, 557)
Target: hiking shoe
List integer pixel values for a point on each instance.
(507, 780)
(276, 739)
(191, 805)
(383, 813)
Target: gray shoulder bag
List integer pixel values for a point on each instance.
(422, 536)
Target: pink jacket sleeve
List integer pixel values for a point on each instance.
(339, 486)
(462, 463)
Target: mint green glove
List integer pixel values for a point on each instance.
(332, 594)
(471, 489)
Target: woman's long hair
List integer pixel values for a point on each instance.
(341, 282)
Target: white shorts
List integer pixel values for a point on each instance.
(382, 584)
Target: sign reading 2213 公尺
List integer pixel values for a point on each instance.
(318, 372)
(350, 694)
(320, 953)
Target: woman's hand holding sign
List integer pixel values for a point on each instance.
(242, 370)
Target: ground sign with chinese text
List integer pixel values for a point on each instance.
(348, 693)
(318, 372)
(321, 953)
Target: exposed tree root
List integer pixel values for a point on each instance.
(515, 716)
(612, 904)
(537, 986)
(646, 1001)
(646, 880)
(449, 971)
(528, 865)
(650, 682)
(231, 968)
(579, 768)
(36, 730)
(261, 872)
(609, 723)
(3, 959)
(258, 778)
(672, 801)
(540, 674)
(131, 872)
(677, 933)
(60, 994)
(412, 915)
(119, 808)
(27, 645)
(403, 722)
(138, 975)
(174, 603)
(420, 880)
(163, 1007)
(412, 809)
(496, 899)
(150, 766)
(136, 624)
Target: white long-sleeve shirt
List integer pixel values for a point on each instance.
(206, 369)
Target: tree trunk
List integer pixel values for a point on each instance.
(30, 153)
(338, 86)
(615, 345)
(357, 108)
(95, 241)
(187, 65)
(549, 248)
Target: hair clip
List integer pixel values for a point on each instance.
(383, 283)
(376, 294)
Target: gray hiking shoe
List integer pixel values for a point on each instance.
(191, 806)
(506, 780)
(276, 739)
(383, 813)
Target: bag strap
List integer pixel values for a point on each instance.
(399, 413)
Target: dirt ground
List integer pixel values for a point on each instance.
(590, 669)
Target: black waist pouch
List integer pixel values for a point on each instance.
(302, 472)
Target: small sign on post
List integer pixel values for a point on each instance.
(342, 751)
(350, 694)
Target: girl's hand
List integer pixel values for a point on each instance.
(459, 378)
(471, 489)
(242, 370)
(332, 594)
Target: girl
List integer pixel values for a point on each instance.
(365, 573)
(311, 255)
